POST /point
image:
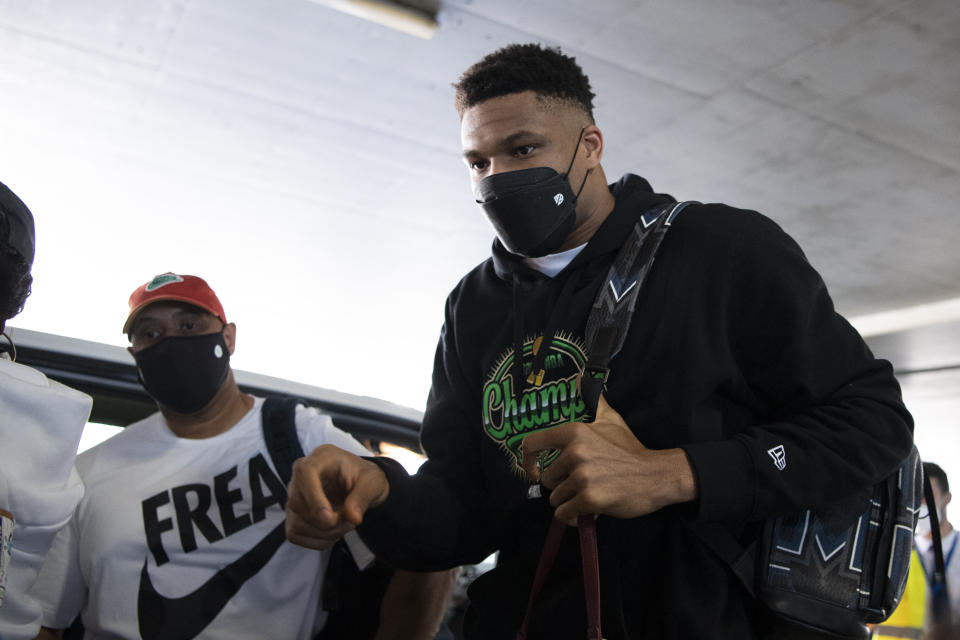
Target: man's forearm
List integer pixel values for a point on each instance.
(414, 604)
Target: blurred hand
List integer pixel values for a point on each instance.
(603, 469)
(329, 494)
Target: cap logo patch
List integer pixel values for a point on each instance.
(162, 280)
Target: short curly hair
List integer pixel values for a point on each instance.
(15, 278)
(525, 67)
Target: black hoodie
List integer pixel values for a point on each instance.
(735, 349)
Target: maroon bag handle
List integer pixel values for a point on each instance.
(587, 526)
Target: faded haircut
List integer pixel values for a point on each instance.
(525, 67)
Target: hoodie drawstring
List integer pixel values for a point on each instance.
(541, 345)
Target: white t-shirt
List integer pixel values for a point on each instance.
(552, 264)
(40, 426)
(951, 556)
(172, 528)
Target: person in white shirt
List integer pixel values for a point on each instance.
(947, 621)
(40, 426)
(181, 532)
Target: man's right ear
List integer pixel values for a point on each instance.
(230, 336)
(593, 143)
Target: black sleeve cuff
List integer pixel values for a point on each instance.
(725, 476)
(379, 527)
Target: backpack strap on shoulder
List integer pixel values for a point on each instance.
(612, 311)
(280, 434)
(940, 598)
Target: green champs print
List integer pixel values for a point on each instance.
(544, 400)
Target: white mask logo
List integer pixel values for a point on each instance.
(558, 199)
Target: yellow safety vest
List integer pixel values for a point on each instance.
(907, 619)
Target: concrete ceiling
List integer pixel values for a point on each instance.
(307, 162)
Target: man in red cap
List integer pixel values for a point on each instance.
(186, 374)
(181, 532)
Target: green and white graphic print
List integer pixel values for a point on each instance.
(546, 398)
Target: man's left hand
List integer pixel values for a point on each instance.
(603, 469)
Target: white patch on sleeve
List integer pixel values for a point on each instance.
(779, 455)
(361, 553)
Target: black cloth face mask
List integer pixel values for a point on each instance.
(532, 210)
(183, 373)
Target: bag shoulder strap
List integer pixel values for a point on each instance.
(280, 434)
(937, 576)
(612, 311)
(283, 444)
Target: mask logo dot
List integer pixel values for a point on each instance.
(218, 351)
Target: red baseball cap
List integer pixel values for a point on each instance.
(170, 286)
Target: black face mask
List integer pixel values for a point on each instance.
(532, 210)
(184, 373)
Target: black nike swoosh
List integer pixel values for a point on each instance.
(183, 618)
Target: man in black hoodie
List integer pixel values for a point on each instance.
(739, 394)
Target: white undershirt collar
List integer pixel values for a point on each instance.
(551, 265)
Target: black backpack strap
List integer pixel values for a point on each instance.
(280, 434)
(283, 443)
(612, 311)
(940, 598)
